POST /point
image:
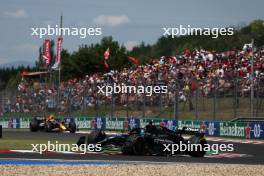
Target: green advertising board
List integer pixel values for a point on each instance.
(189, 123)
(114, 123)
(229, 129)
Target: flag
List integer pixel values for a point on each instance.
(59, 44)
(106, 64)
(46, 55)
(21, 87)
(133, 60)
(58, 53)
(106, 54)
(106, 57)
(247, 46)
(248, 50)
(55, 66)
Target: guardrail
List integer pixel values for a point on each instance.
(248, 119)
(254, 130)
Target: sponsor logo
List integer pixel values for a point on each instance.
(211, 128)
(13, 123)
(93, 123)
(132, 123)
(114, 125)
(143, 123)
(257, 131)
(227, 129)
(248, 129)
(191, 124)
(125, 124)
(24, 123)
(83, 123)
(203, 127)
(99, 123)
(4, 124)
(170, 125)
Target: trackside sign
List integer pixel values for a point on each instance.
(232, 129)
(251, 130)
(116, 124)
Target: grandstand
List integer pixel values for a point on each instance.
(201, 84)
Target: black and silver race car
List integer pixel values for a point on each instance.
(50, 124)
(150, 140)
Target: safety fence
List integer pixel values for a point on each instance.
(215, 99)
(254, 130)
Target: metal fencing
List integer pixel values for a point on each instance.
(212, 98)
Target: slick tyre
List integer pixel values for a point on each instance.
(33, 126)
(139, 146)
(72, 127)
(200, 152)
(134, 146)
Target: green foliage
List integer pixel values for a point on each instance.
(90, 59)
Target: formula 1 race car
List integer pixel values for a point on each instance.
(150, 140)
(50, 124)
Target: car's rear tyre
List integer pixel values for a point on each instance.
(139, 146)
(198, 140)
(134, 146)
(81, 141)
(127, 148)
(72, 127)
(34, 126)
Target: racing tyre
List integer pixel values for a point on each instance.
(135, 146)
(81, 140)
(127, 148)
(33, 126)
(198, 140)
(72, 127)
(139, 146)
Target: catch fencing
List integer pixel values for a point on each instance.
(211, 99)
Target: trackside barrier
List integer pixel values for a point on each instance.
(249, 130)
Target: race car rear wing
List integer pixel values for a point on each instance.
(190, 131)
(40, 118)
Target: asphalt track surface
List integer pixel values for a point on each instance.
(254, 153)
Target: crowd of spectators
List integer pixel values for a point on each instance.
(199, 70)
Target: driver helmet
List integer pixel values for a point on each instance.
(162, 124)
(50, 118)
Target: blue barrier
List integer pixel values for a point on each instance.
(250, 130)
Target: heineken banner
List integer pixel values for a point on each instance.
(114, 124)
(232, 129)
(83, 123)
(251, 130)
